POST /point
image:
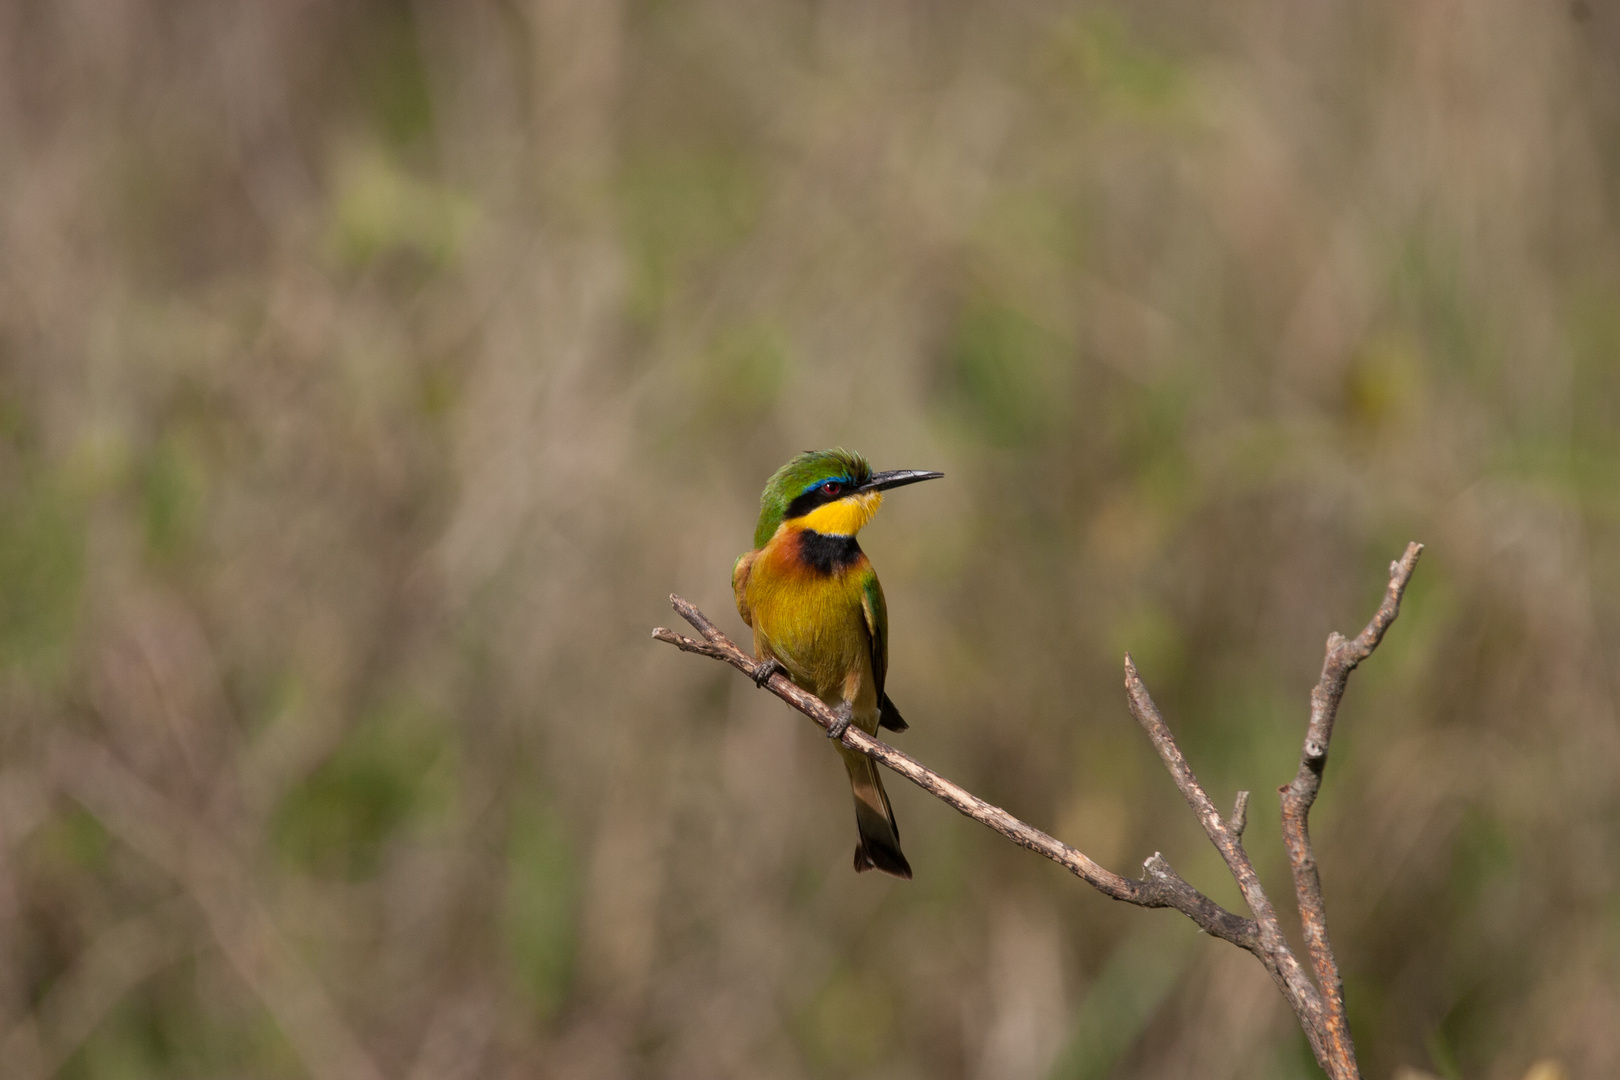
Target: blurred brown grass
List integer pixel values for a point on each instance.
(370, 372)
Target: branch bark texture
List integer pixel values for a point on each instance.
(1300, 795)
(1319, 1005)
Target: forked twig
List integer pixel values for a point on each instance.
(1319, 1005)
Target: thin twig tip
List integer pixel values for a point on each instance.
(1239, 822)
(1402, 568)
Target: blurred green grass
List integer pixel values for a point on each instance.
(369, 373)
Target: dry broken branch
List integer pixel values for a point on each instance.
(1319, 1005)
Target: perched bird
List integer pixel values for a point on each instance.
(816, 609)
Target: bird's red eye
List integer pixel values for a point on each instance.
(831, 487)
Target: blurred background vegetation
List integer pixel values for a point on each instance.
(370, 373)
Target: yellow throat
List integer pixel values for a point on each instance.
(844, 517)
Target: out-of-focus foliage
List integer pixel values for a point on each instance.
(369, 373)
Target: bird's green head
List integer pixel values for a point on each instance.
(834, 492)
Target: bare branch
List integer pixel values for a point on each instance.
(1272, 948)
(1319, 1005)
(1160, 886)
(1298, 797)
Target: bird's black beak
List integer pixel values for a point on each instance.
(897, 478)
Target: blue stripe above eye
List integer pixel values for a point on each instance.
(825, 480)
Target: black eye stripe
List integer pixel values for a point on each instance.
(818, 495)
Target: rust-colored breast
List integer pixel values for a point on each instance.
(811, 619)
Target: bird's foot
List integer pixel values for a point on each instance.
(841, 718)
(763, 673)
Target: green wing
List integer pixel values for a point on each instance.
(877, 627)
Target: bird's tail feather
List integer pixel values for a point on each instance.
(890, 717)
(879, 847)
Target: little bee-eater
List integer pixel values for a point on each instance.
(816, 609)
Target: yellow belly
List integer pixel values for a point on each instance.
(815, 627)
